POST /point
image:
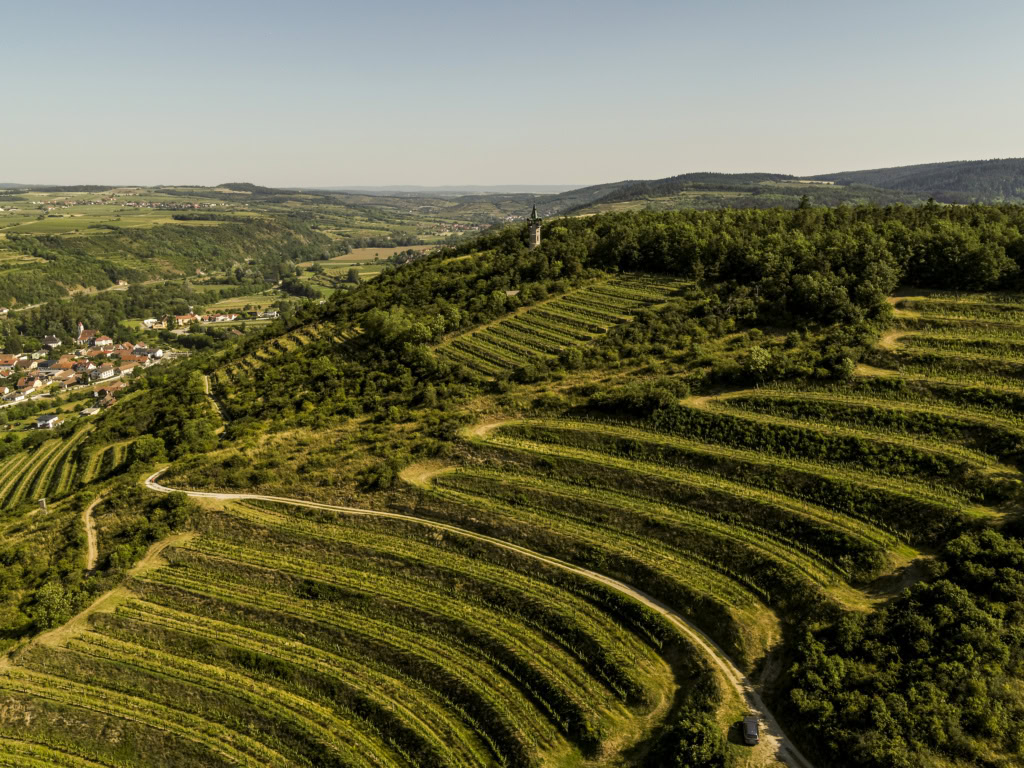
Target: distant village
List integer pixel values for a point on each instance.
(93, 359)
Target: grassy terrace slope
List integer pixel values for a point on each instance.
(284, 636)
(341, 641)
(548, 329)
(747, 508)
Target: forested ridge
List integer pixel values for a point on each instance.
(963, 181)
(824, 273)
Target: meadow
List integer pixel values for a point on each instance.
(257, 301)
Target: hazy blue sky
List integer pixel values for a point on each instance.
(297, 92)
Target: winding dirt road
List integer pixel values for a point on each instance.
(90, 534)
(772, 736)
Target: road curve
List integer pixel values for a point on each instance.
(771, 733)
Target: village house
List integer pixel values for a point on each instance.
(105, 371)
(107, 390)
(51, 341)
(83, 366)
(29, 383)
(129, 357)
(219, 318)
(88, 411)
(66, 379)
(144, 351)
(186, 319)
(26, 364)
(103, 341)
(7, 362)
(55, 366)
(48, 421)
(270, 314)
(14, 397)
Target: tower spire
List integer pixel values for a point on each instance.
(533, 228)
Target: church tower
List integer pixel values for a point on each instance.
(534, 227)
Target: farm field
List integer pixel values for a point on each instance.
(750, 507)
(742, 510)
(258, 301)
(368, 262)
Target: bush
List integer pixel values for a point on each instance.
(694, 741)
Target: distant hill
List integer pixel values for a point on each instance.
(719, 190)
(983, 181)
(673, 184)
(465, 189)
(967, 181)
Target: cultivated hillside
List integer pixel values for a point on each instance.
(588, 504)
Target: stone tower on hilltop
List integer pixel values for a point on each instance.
(534, 227)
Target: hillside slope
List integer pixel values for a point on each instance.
(968, 181)
(582, 505)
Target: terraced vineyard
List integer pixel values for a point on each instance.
(47, 471)
(543, 331)
(226, 379)
(286, 636)
(104, 460)
(278, 640)
(979, 338)
(750, 507)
